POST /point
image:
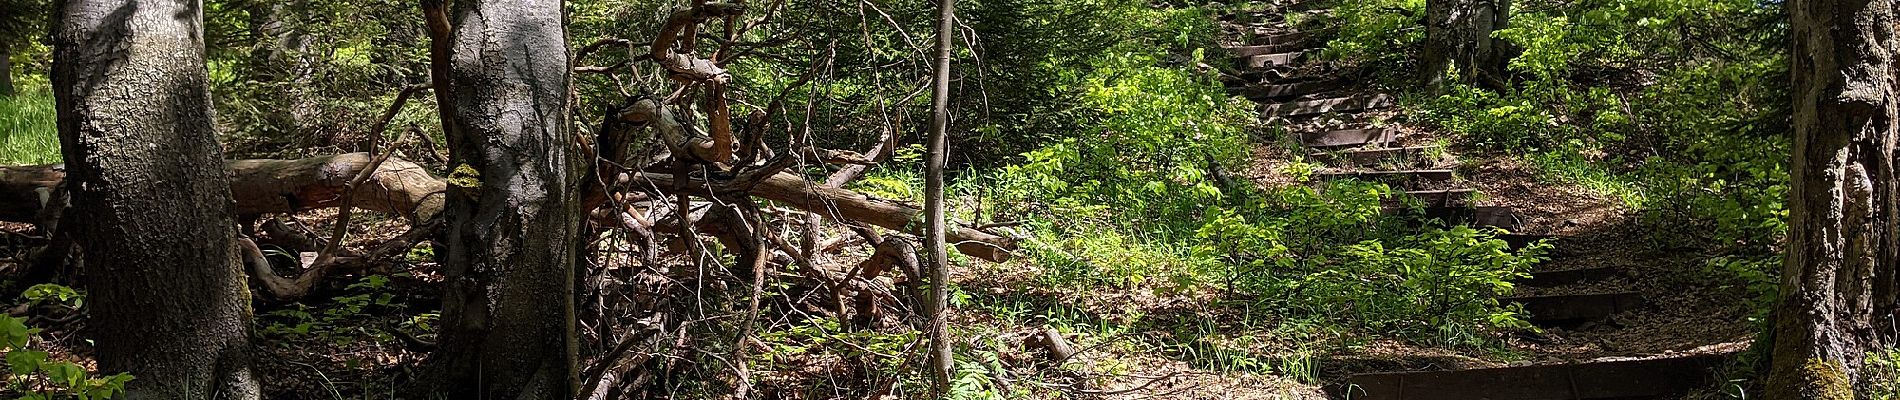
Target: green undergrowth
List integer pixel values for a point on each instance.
(1675, 109)
(28, 130)
(1139, 193)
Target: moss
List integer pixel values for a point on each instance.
(1817, 379)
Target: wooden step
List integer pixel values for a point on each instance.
(1290, 90)
(1390, 176)
(1372, 156)
(1519, 240)
(1443, 197)
(1255, 50)
(1658, 378)
(1576, 308)
(1271, 60)
(1272, 36)
(1349, 138)
(1569, 276)
(1486, 216)
(1308, 5)
(1341, 104)
(1265, 36)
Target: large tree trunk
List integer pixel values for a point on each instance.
(152, 207)
(1838, 283)
(507, 313)
(1458, 37)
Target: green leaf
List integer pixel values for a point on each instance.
(24, 362)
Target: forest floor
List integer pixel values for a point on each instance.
(362, 336)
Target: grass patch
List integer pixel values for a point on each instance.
(28, 134)
(1560, 167)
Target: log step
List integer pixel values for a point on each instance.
(1635, 379)
(1519, 240)
(1341, 104)
(1255, 50)
(1443, 197)
(1487, 216)
(1349, 138)
(1267, 37)
(1569, 276)
(1365, 157)
(1574, 309)
(1271, 60)
(1390, 176)
(1290, 90)
(1309, 5)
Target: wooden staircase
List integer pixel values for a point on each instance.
(1277, 71)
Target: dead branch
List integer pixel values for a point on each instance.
(296, 287)
(846, 205)
(686, 67)
(681, 138)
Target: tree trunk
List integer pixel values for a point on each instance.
(6, 69)
(1838, 283)
(934, 306)
(1458, 39)
(169, 302)
(507, 313)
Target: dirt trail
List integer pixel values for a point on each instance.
(1633, 303)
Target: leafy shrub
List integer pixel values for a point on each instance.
(33, 373)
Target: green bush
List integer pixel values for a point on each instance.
(33, 374)
(1138, 196)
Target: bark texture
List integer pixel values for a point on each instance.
(265, 186)
(1838, 283)
(507, 314)
(1458, 39)
(934, 155)
(151, 207)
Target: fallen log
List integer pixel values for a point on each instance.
(267, 186)
(404, 188)
(846, 205)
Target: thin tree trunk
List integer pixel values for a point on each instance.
(169, 302)
(933, 204)
(508, 305)
(1838, 283)
(6, 69)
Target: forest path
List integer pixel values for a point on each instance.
(1617, 319)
